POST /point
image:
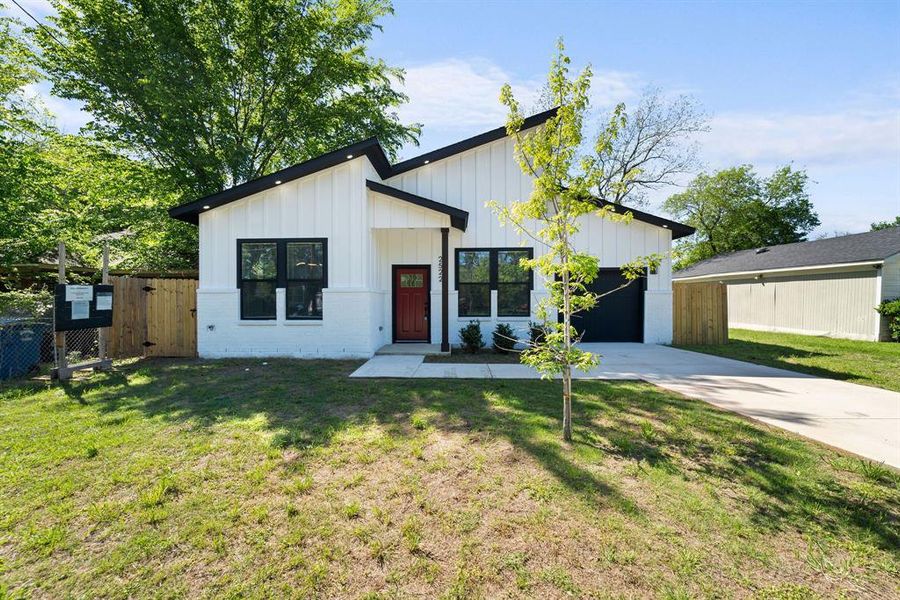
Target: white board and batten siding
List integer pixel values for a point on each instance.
(490, 172)
(333, 204)
(369, 232)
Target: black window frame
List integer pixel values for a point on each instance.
(281, 278)
(493, 279)
(529, 282)
(323, 279)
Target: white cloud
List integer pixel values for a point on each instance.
(460, 94)
(841, 136)
(463, 94)
(68, 114)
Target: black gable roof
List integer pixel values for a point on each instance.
(859, 247)
(190, 212)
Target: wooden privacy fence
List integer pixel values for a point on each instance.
(699, 313)
(153, 317)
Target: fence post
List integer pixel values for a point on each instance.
(103, 332)
(62, 372)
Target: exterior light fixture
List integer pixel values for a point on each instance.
(427, 161)
(666, 226)
(206, 207)
(349, 156)
(277, 182)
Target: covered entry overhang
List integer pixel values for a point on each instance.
(392, 209)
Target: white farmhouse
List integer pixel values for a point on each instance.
(343, 254)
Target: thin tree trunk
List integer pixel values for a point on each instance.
(567, 403)
(567, 369)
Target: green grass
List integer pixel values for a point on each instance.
(868, 363)
(234, 478)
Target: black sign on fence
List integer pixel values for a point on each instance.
(83, 306)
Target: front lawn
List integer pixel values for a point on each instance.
(868, 363)
(287, 479)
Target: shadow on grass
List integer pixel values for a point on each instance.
(773, 355)
(307, 403)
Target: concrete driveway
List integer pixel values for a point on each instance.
(861, 419)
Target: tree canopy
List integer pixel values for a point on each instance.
(654, 148)
(878, 226)
(218, 92)
(75, 188)
(737, 209)
(187, 97)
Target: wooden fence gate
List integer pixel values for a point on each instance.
(699, 313)
(153, 317)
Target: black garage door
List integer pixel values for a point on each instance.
(618, 317)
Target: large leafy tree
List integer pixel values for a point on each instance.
(19, 116)
(737, 209)
(221, 91)
(75, 188)
(552, 215)
(654, 148)
(82, 192)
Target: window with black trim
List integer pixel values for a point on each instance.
(480, 270)
(473, 277)
(305, 279)
(298, 265)
(259, 276)
(513, 284)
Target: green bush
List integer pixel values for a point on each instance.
(26, 303)
(504, 338)
(891, 310)
(536, 333)
(471, 337)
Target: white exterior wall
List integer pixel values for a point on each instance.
(839, 303)
(369, 232)
(332, 204)
(490, 172)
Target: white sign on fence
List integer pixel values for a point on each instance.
(80, 310)
(104, 300)
(79, 293)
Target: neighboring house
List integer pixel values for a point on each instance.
(345, 253)
(824, 287)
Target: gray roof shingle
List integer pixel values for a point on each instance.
(858, 247)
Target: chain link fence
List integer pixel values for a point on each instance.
(82, 345)
(26, 344)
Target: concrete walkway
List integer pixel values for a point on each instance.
(860, 419)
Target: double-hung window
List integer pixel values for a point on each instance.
(298, 265)
(513, 284)
(258, 279)
(480, 270)
(305, 278)
(473, 282)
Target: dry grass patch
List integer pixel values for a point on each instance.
(291, 480)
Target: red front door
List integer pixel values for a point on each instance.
(411, 304)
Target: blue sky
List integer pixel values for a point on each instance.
(815, 84)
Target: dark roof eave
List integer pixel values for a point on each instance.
(459, 219)
(679, 230)
(190, 212)
(370, 148)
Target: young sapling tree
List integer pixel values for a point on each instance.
(561, 198)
